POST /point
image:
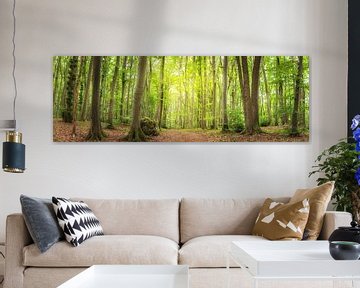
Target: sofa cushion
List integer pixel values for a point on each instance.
(279, 221)
(158, 217)
(200, 217)
(319, 198)
(107, 249)
(211, 251)
(77, 220)
(41, 221)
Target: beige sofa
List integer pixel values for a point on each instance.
(194, 232)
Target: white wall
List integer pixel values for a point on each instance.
(317, 28)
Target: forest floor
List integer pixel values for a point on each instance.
(62, 132)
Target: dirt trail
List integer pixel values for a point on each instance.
(62, 133)
(182, 136)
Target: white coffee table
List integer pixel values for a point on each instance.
(131, 276)
(285, 260)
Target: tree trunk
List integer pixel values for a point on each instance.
(267, 92)
(280, 80)
(64, 88)
(83, 115)
(213, 63)
(185, 84)
(225, 126)
(70, 89)
(298, 85)
(302, 108)
(203, 91)
(246, 95)
(161, 96)
(135, 133)
(123, 82)
(250, 96)
(112, 93)
(95, 132)
(129, 90)
(147, 96)
(56, 79)
(255, 93)
(103, 87)
(76, 96)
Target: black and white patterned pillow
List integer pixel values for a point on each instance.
(77, 220)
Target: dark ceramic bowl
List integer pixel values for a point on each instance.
(344, 250)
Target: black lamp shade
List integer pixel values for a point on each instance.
(13, 157)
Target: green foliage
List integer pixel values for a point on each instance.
(264, 122)
(236, 120)
(126, 120)
(149, 126)
(339, 163)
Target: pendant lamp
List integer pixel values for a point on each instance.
(13, 159)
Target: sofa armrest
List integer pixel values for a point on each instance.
(17, 237)
(333, 220)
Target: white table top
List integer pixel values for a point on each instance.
(291, 259)
(131, 276)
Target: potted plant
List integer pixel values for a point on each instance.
(341, 163)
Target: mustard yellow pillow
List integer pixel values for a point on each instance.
(319, 198)
(279, 221)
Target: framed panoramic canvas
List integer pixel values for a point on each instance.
(181, 98)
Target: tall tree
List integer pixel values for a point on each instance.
(147, 94)
(123, 83)
(70, 89)
(203, 83)
(56, 80)
(255, 93)
(280, 93)
(64, 88)
(213, 64)
(267, 92)
(298, 85)
(251, 94)
(76, 96)
(84, 108)
(186, 89)
(130, 87)
(246, 94)
(225, 125)
(135, 133)
(161, 96)
(105, 65)
(112, 93)
(95, 132)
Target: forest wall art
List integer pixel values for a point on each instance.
(181, 98)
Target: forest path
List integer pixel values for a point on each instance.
(177, 135)
(62, 133)
(269, 134)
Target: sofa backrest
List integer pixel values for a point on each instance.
(200, 217)
(158, 217)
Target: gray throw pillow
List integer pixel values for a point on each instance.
(41, 221)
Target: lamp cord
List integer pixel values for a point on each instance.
(14, 60)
